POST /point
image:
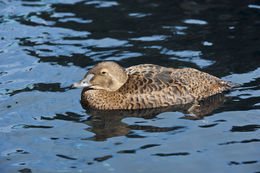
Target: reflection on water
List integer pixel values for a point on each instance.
(45, 46)
(107, 124)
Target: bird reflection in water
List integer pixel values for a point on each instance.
(107, 124)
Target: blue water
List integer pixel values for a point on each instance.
(46, 45)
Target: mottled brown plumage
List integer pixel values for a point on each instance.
(108, 86)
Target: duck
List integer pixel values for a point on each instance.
(108, 86)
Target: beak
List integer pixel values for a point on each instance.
(79, 84)
(85, 82)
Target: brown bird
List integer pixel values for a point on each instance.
(108, 86)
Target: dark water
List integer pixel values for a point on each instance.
(45, 46)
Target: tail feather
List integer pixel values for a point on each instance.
(230, 85)
(233, 85)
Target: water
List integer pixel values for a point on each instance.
(45, 46)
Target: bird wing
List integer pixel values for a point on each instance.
(158, 83)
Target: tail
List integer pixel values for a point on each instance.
(233, 85)
(230, 85)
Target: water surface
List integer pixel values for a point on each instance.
(45, 46)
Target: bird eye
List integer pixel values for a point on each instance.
(103, 72)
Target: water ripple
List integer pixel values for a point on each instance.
(195, 21)
(246, 128)
(237, 142)
(172, 154)
(150, 38)
(102, 4)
